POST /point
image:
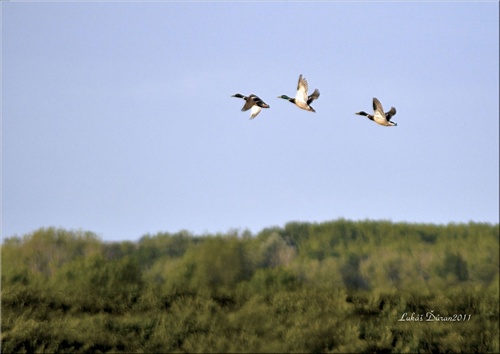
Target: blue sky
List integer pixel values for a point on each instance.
(117, 118)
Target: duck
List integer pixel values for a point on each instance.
(379, 116)
(253, 102)
(302, 100)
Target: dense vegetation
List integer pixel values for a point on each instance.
(339, 286)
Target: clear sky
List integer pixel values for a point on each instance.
(117, 118)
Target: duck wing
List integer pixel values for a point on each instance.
(390, 114)
(258, 101)
(378, 110)
(255, 110)
(249, 103)
(313, 96)
(302, 88)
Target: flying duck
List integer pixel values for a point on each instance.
(254, 102)
(302, 100)
(378, 114)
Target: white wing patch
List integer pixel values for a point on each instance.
(379, 117)
(301, 94)
(255, 110)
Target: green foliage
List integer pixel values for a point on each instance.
(339, 286)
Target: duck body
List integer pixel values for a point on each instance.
(252, 102)
(302, 99)
(379, 116)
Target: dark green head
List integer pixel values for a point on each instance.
(285, 97)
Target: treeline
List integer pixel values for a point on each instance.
(340, 286)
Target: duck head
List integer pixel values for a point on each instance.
(285, 97)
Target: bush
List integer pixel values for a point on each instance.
(339, 286)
